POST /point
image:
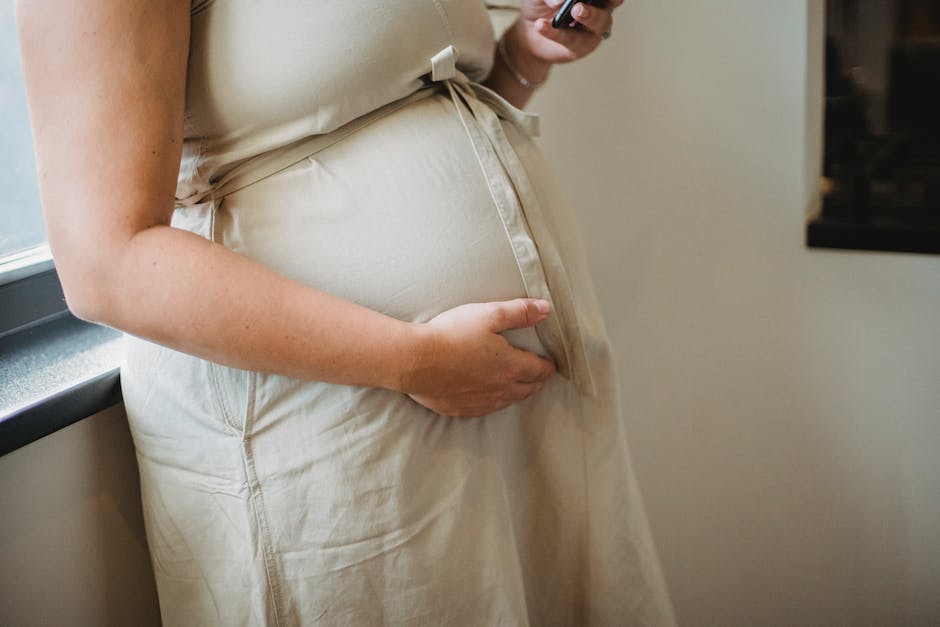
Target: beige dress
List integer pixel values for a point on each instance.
(348, 146)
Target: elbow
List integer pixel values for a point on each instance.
(99, 281)
(87, 292)
(85, 308)
(91, 260)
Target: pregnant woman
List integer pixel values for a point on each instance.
(366, 375)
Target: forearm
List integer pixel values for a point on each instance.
(510, 64)
(180, 290)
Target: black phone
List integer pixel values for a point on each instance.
(563, 17)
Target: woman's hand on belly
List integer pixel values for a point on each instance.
(467, 369)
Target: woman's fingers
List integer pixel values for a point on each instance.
(566, 44)
(518, 313)
(467, 367)
(589, 20)
(592, 23)
(522, 391)
(532, 368)
(596, 20)
(513, 394)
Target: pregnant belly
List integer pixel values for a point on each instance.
(397, 217)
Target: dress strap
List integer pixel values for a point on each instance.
(543, 271)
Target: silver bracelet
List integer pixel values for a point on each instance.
(522, 80)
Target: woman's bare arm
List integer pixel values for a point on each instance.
(106, 85)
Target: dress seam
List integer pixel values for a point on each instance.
(221, 402)
(256, 501)
(444, 19)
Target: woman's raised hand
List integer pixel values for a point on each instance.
(536, 37)
(467, 369)
(530, 47)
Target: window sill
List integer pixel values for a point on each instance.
(53, 374)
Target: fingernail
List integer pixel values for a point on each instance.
(580, 10)
(554, 3)
(542, 306)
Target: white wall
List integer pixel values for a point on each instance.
(783, 403)
(72, 547)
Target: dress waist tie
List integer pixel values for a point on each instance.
(479, 110)
(540, 263)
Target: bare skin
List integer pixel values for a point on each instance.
(99, 70)
(534, 46)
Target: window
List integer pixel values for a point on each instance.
(882, 127)
(54, 369)
(28, 287)
(21, 227)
